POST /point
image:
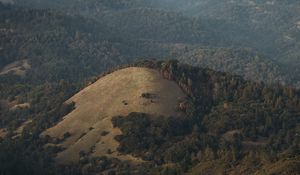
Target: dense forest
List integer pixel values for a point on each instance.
(233, 60)
(271, 25)
(127, 30)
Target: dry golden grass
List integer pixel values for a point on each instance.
(20, 106)
(208, 168)
(3, 132)
(18, 132)
(17, 68)
(229, 135)
(13, 106)
(285, 166)
(99, 102)
(282, 167)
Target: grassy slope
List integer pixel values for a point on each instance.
(99, 102)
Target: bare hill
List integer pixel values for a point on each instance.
(119, 93)
(18, 68)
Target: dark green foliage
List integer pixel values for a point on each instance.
(243, 62)
(57, 46)
(220, 104)
(150, 136)
(42, 99)
(104, 133)
(25, 154)
(66, 135)
(97, 35)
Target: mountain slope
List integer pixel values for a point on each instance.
(118, 93)
(158, 117)
(243, 62)
(119, 32)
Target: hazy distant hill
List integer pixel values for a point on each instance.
(52, 40)
(274, 23)
(237, 61)
(268, 27)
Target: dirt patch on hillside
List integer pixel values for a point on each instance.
(229, 135)
(118, 93)
(17, 68)
(19, 131)
(20, 106)
(3, 132)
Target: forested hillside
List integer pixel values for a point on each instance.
(120, 33)
(244, 62)
(272, 25)
(57, 46)
(263, 134)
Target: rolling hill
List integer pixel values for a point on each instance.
(164, 117)
(169, 117)
(119, 93)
